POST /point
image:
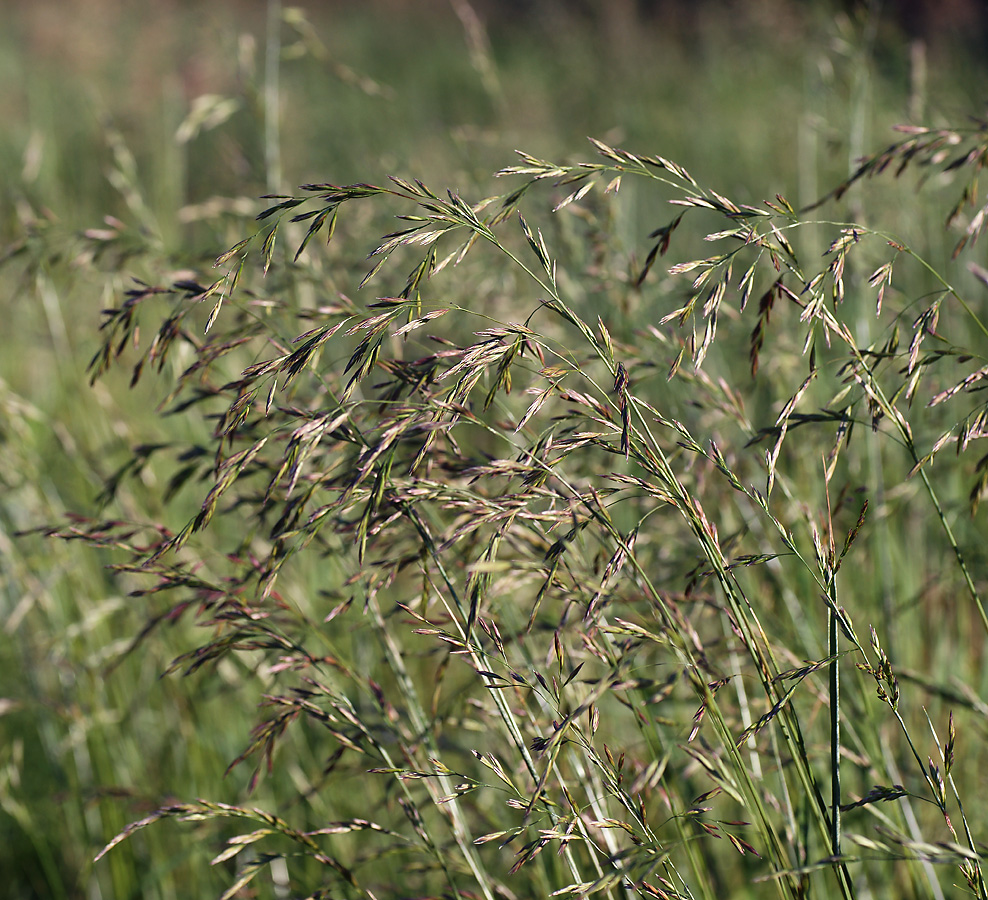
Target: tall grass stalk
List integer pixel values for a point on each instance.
(272, 99)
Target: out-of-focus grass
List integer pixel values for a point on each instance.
(92, 739)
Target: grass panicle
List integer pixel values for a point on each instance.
(582, 626)
(595, 528)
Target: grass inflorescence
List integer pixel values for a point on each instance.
(572, 620)
(607, 529)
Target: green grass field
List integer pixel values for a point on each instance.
(590, 645)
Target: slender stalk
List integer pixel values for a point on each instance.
(272, 99)
(833, 650)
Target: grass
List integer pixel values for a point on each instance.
(526, 579)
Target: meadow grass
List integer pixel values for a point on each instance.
(545, 563)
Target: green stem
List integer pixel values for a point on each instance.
(835, 792)
(272, 105)
(959, 556)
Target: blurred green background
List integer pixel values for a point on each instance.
(136, 139)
